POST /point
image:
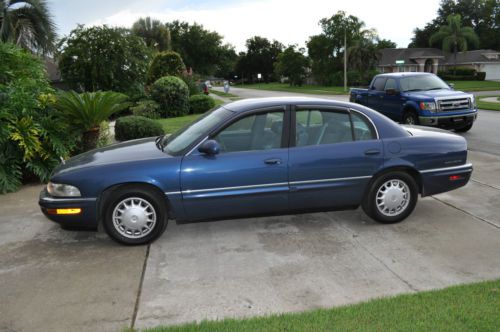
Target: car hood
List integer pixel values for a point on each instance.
(134, 150)
(432, 94)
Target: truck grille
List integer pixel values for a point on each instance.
(454, 104)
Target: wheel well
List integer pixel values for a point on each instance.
(408, 109)
(411, 171)
(106, 193)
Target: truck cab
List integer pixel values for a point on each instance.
(420, 99)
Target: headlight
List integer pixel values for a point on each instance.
(429, 106)
(62, 190)
(472, 102)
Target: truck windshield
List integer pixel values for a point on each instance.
(183, 138)
(422, 83)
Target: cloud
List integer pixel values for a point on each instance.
(290, 22)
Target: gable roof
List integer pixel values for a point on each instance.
(472, 56)
(388, 56)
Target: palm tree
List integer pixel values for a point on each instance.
(87, 110)
(28, 24)
(155, 34)
(455, 37)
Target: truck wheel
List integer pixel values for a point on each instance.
(391, 197)
(464, 129)
(410, 118)
(135, 215)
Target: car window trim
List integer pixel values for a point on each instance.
(218, 128)
(310, 107)
(369, 120)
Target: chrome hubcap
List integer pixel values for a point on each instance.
(393, 198)
(134, 217)
(409, 120)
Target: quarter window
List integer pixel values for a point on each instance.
(261, 131)
(363, 129)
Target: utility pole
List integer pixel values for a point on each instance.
(345, 59)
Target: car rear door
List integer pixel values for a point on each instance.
(376, 94)
(333, 156)
(250, 174)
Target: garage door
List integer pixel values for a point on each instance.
(492, 71)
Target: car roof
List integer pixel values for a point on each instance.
(404, 74)
(256, 103)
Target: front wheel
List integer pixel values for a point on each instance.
(410, 118)
(135, 216)
(464, 129)
(391, 197)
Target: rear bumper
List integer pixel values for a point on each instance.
(448, 121)
(86, 219)
(440, 180)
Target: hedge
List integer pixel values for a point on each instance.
(132, 127)
(200, 104)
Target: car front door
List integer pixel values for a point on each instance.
(335, 154)
(250, 174)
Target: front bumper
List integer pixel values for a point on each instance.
(86, 219)
(448, 121)
(439, 180)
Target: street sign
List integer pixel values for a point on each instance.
(259, 76)
(400, 62)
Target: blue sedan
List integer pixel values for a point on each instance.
(257, 157)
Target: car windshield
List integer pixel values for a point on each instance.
(422, 83)
(183, 138)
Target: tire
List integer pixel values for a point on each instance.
(401, 183)
(464, 129)
(143, 216)
(410, 118)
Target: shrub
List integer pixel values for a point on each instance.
(132, 127)
(87, 110)
(481, 76)
(32, 136)
(200, 104)
(193, 86)
(458, 74)
(172, 94)
(147, 108)
(167, 63)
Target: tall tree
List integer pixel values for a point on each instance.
(155, 34)
(455, 37)
(260, 57)
(103, 58)
(385, 43)
(28, 24)
(293, 65)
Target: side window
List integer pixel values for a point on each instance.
(323, 127)
(261, 131)
(363, 129)
(379, 84)
(391, 84)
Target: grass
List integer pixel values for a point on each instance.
(486, 105)
(311, 89)
(476, 85)
(473, 307)
(223, 94)
(171, 125)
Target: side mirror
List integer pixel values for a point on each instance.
(451, 85)
(391, 92)
(209, 147)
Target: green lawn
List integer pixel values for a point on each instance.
(170, 125)
(473, 307)
(476, 85)
(312, 89)
(223, 94)
(485, 105)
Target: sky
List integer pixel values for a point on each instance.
(290, 22)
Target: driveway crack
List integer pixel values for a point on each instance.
(139, 290)
(485, 184)
(467, 213)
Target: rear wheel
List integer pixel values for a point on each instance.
(135, 215)
(410, 118)
(391, 197)
(464, 129)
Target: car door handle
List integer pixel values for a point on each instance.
(273, 161)
(372, 152)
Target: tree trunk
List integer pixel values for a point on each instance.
(90, 138)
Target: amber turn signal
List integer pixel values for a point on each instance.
(64, 211)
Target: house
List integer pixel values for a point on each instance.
(432, 59)
(54, 74)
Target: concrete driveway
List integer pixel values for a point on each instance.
(55, 280)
